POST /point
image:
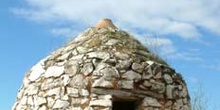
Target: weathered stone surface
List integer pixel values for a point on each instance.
(54, 71)
(73, 92)
(32, 89)
(147, 83)
(24, 100)
(101, 102)
(169, 91)
(50, 102)
(137, 67)
(36, 72)
(126, 84)
(30, 100)
(147, 74)
(150, 62)
(111, 42)
(109, 73)
(39, 100)
(87, 69)
(60, 104)
(158, 86)
(102, 83)
(54, 91)
(50, 83)
(123, 64)
(100, 55)
(131, 75)
(84, 92)
(78, 81)
(65, 79)
(122, 56)
(168, 78)
(71, 68)
(151, 102)
(81, 49)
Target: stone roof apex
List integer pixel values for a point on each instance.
(105, 23)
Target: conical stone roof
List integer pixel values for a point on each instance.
(100, 66)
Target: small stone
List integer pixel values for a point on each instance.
(36, 72)
(150, 62)
(185, 101)
(30, 100)
(77, 58)
(54, 91)
(178, 104)
(148, 101)
(109, 73)
(168, 104)
(63, 57)
(50, 83)
(101, 102)
(26, 81)
(71, 68)
(100, 55)
(60, 104)
(73, 92)
(39, 100)
(84, 92)
(23, 100)
(158, 86)
(126, 84)
(147, 83)
(32, 89)
(76, 101)
(65, 79)
(20, 93)
(54, 71)
(137, 67)
(123, 64)
(147, 74)
(87, 69)
(102, 83)
(168, 78)
(122, 56)
(111, 42)
(184, 92)
(78, 81)
(65, 97)
(50, 102)
(101, 66)
(169, 91)
(74, 52)
(131, 75)
(81, 49)
(21, 107)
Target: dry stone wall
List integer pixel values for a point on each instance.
(100, 66)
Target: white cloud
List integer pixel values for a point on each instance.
(65, 32)
(187, 56)
(181, 18)
(167, 50)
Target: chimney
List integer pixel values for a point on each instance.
(105, 23)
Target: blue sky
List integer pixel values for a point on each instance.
(185, 33)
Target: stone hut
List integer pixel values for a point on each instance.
(104, 68)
